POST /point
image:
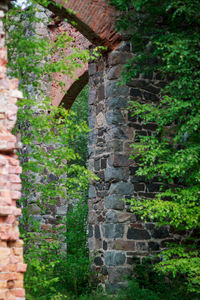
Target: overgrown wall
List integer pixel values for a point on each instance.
(117, 237)
(12, 266)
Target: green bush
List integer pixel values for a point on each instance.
(165, 40)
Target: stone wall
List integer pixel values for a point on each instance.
(12, 266)
(117, 236)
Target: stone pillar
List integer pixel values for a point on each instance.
(12, 266)
(117, 236)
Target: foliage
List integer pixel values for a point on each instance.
(165, 40)
(60, 272)
(80, 108)
(145, 285)
(53, 169)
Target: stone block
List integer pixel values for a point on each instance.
(113, 231)
(114, 72)
(114, 202)
(111, 217)
(105, 245)
(90, 231)
(137, 234)
(100, 120)
(117, 133)
(92, 192)
(123, 245)
(149, 226)
(114, 117)
(113, 258)
(142, 246)
(97, 233)
(114, 146)
(114, 90)
(91, 68)
(117, 102)
(116, 57)
(101, 93)
(92, 137)
(98, 261)
(121, 188)
(123, 217)
(103, 163)
(115, 174)
(91, 122)
(119, 160)
(97, 164)
(160, 232)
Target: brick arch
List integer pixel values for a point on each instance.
(95, 19)
(72, 84)
(74, 90)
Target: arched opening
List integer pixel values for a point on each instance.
(74, 90)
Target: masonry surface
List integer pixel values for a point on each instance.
(116, 236)
(12, 266)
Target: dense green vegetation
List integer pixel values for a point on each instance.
(168, 31)
(166, 40)
(53, 158)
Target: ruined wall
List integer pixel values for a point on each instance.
(117, 236)
(50, 27)
(12, 266)
(75, 82)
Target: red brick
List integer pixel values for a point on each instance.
(19, 292)
(21, 268)
(14, 170)
(10, 219)
(8, 276)
(5, 210)
(87, 13)
(14, 179)
(2, 295)
(15, 195)
(13, 259)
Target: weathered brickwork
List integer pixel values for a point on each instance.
(12, 266)
(116, 235)
(94, 19)
(72, 86)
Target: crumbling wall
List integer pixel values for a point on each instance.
(12, 266)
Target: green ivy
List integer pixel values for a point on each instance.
(166, 41)
(51, 157)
